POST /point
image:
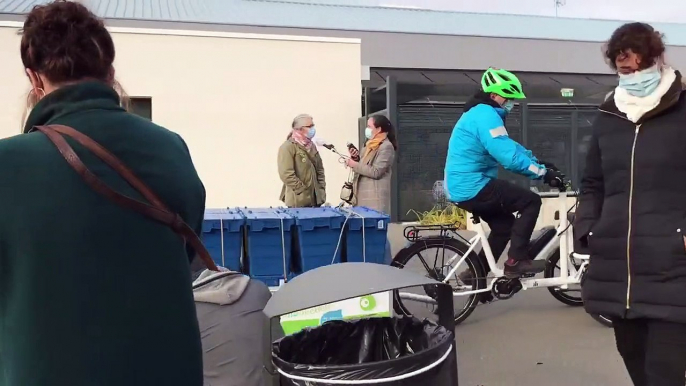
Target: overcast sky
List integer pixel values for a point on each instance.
(643, 10)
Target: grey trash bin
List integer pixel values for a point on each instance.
(398, 351)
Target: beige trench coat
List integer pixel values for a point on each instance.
(372, 181)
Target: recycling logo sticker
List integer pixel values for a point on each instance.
(367, 303)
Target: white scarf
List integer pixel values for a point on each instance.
(635, 107)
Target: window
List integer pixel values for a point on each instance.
(141, 106)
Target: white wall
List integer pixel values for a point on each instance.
(13, 83)
(232, 97)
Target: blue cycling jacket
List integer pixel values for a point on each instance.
(479, 143)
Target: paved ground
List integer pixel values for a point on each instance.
(533, 340)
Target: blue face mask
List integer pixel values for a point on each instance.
(311, 132)
(641, 83)
(368, 133)
(508, 105)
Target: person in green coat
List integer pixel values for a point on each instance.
(92, 293)
(300, 167)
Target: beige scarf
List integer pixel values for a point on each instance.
(373, 144)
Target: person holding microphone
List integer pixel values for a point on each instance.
(373, 171)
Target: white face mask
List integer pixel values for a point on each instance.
(368, 133)
(311, 132)
(641, 83)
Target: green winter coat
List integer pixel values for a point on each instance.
(92, 294)
(302, 174)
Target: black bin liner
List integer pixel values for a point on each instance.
(368, 349)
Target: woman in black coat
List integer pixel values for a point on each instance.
(632, 209)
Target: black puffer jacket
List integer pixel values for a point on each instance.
(632, 212)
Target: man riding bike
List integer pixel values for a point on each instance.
(479, 143)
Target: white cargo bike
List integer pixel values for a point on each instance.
(456, 256)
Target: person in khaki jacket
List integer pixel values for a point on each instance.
(300, 167)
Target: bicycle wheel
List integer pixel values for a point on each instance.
(438, 269)
(570, 296)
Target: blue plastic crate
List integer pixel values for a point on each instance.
(318, 234)
(375, 235)
(268, 241)
(222, 236)
(273, 281)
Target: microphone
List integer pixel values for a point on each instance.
(321, 142)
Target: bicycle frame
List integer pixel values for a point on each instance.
(563, 241)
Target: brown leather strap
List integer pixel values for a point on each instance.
(156, 210)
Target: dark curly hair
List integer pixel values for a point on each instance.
(66, 42)
(641, 38)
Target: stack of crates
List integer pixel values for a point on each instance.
(223, 238)
(367, 232)
(319, 238)
(275, 244)
(268, 245)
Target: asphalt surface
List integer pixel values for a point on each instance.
(533, 340)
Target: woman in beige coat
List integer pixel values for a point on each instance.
(372, 181)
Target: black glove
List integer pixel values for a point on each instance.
(548, 165)
(554, 178)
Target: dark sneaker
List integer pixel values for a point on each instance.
(517, 268)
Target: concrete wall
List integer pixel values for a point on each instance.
(232, 97)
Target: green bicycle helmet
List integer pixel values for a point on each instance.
(503, 83)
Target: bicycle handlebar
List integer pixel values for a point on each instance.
(559, 183)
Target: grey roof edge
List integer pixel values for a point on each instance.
(12, 17)
(225, 27)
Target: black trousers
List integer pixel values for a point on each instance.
(495, 204)
(654, 351)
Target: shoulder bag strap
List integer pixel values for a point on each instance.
(155, 210)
